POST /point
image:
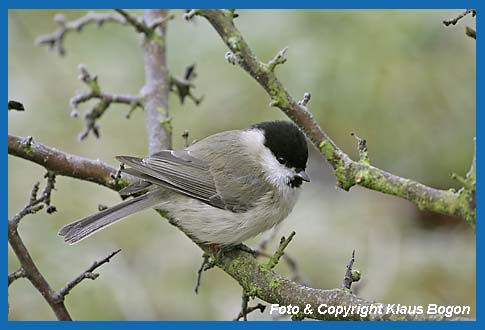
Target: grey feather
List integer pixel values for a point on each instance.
(78, 230)
(181, 173)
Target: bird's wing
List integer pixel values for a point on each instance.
(178, 171)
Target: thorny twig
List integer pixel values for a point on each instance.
(207, 263)
(105, 100)
(351, 275)
(37, 203)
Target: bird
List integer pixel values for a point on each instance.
(221, 190)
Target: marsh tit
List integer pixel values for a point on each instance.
(221, 190)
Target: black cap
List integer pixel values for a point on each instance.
(286, 142)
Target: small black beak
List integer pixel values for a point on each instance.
(303, 176)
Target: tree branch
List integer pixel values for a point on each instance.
(157, 85)
(351, 275)
(105, 100)
(66, 164)
(87, 274)
(55, 40)
(455, 20)
(347, 171)
(13, 276)
(141, 26)
(28, 269)
(54, 300)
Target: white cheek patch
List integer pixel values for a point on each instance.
(276, 173)
(279, 175)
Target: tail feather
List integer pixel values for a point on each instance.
(80, 229)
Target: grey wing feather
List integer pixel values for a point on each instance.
(177, 171)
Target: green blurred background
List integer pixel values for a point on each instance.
(400, 79)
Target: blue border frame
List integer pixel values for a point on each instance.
(354, 4)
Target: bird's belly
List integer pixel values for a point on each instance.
(207, 224)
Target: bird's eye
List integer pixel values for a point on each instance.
(281, 160)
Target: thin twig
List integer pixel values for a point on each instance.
(273, 261)
(362, 148)
(246, 309)
(455, 20)
(27, 264)
(13, 276)
(105, 100)
(278, 59)
(207, 263)
(249, 310)
(87, 274)
(183, 86)
(135, 21)
(351, 275)
(55, 40)
(260, 250)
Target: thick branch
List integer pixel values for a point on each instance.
(275, 289)
(54, 300)
(347, 171)
(157, 85)
(66, 164)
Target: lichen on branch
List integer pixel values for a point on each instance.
(347, 171)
